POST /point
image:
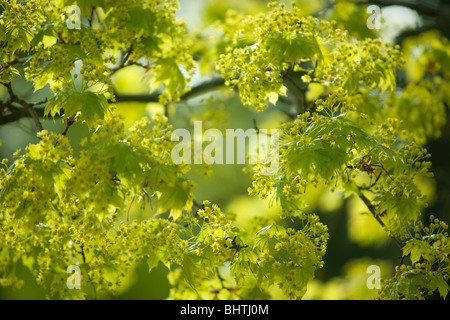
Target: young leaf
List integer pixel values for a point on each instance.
(416, 248)
(293, 48)
(91, 106)
(438, 282)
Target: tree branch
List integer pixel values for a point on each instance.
(12, 62)
(430, 8)
(125, 58)
(435, 11)
(70, 121)
(195, 91)
(301, 93)
(36, 113)
(373, 210)
(28, 106)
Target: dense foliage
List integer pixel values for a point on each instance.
(350, 128)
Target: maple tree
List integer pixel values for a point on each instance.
(356, 114)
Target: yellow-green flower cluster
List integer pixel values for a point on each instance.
(18, 21)
(59, 210)
(267, 47)
(428, 249)
(289, 257)
(107, 38)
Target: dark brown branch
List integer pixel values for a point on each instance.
(429, 8)
(373, 210)
(34, 115)
(18, 114)
(135, 98)
(69, 122)
(195, 91)
(300, 93)
(434, 13)
(12, 62)
(124, 60)
(412, 32)
(28, 106)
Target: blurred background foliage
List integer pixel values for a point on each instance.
(356, 239)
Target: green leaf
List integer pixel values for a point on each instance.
(306, 272)
(190, 269)
(416, 248)
(124, 160)
(153, 260)
(161, 173)
(109, 271)
(294, 48)
(48, 31)
(407, 207)
(438, 282)
(91, 106)
(167, 73)
(316, 157)
(21, 36)
(149, 44)
(141, 19)
(72, 53)
(174, 197)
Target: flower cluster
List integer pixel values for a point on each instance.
(428, 250)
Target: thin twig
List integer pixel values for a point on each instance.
(82, 252)
(70, 121)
